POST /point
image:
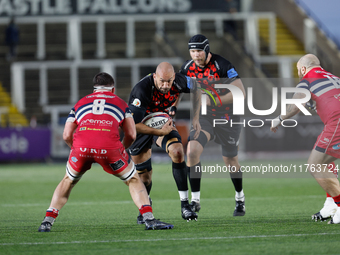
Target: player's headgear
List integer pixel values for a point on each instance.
(103, 81)
(199, 42)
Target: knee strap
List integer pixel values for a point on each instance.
(129, 174)
(72, 176)
(166, 144)
(144, 167)
(171, 138)
(202, 138)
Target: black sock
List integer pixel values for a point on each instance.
(179, 171)
(236, 178)
(183, 203)
(195, 177)
(148, 188)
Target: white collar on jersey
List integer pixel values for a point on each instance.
(103, 88)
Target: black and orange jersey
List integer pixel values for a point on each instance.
(145, 98)
(217, 71)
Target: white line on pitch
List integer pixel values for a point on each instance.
(158, 201)
(169, 239)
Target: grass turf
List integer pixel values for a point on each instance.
(100, 217)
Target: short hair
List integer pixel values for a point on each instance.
(103, 79)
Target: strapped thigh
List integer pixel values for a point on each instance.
(171, 138)
(72, 176)
(202, 138)
(127, 176)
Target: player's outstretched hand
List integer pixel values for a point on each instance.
(275, 124)
(274, 129)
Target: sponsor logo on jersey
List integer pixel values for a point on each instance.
(135, 149)
(91, 150)
(232, 140)
(97, 122)
(82, 129)
(117, 165)
(94, 129)
(74, 159)
(336, 147)
(136, 102)
(325, 141)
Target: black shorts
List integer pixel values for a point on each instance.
(145, 141)
(223, 134)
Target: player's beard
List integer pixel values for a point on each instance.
(199, 62)
(163, 91)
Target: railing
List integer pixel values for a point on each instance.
(192, 20)
(74, 44)
(74, 47)
(107, 65)
(74, 53)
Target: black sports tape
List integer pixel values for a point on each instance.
(202, 138)
(146, 165)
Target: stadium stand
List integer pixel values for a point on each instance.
(9, 114)
(269, 37)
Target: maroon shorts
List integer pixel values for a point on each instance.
(328, 141)
(113, 161)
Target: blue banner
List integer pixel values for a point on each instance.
(24, 144)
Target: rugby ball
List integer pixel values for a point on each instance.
(156, 119)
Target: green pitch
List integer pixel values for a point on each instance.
(100, 217)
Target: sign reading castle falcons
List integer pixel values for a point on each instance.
(90, 7)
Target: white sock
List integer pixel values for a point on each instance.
(329, 200)
(148, 216)
(183, 195)
(239, 196)
(195, 196)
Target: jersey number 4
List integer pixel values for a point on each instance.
(98, 106)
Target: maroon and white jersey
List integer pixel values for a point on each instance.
(98, 116)
(325, 91)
